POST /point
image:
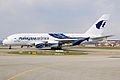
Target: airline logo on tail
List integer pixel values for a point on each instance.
(101, 24)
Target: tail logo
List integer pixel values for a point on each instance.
(100, 24)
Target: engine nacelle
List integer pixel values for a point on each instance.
(39, 44)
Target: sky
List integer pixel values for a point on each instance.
(68, 16)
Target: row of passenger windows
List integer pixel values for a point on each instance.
(33, 38)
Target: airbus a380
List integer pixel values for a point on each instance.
(58, 40)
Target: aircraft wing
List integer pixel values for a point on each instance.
(73, 41)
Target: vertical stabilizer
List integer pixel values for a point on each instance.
(97, 28)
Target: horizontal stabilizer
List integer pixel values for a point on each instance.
(103, 37)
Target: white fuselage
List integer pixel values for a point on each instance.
(34, 38)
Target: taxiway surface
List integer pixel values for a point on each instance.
(83, 67)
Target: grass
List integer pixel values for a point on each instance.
(52, 52)
(48, 53)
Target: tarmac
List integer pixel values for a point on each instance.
(80, 67)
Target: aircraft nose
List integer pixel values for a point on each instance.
(4, 42)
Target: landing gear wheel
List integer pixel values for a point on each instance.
(10, 47)
(22, 46)
(56, 48)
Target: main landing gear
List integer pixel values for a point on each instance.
(56, 48)
(10, 47)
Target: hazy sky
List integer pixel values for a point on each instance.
(37, 16)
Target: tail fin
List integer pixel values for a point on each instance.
(98, 27)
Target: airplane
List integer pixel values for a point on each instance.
(58, 40)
